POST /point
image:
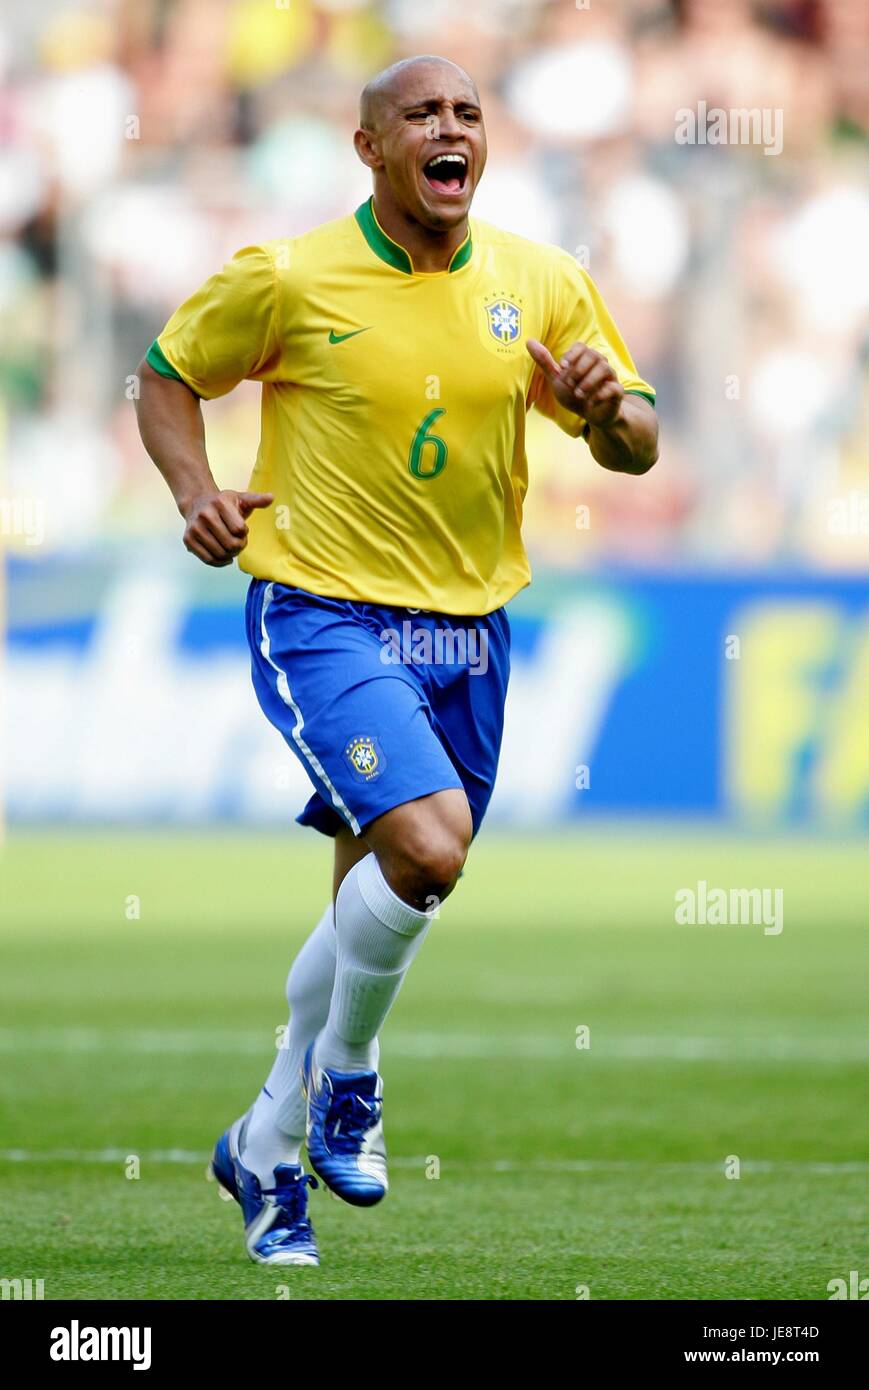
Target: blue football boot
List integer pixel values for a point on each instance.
(345, 1131)
(276, 1226)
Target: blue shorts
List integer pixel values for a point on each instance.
(382, 705)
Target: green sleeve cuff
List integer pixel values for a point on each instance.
(156, 358)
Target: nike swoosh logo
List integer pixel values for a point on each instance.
(342, 337)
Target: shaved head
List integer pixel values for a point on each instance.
(421, 134)
(385, 88)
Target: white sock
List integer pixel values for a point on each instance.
(378, 936)
(275, 1124)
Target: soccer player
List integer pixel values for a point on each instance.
(399, 349)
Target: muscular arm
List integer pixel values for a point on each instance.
(622, 428)
(173, 432)
(630, 443)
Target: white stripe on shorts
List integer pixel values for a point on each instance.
(287, 696)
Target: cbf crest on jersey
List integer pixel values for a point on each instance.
(366, 757)
(505, 320)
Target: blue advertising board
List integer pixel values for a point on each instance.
(742, 698)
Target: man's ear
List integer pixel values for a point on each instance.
(365, 144)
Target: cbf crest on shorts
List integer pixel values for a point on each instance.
(365, 757)
(505, 320)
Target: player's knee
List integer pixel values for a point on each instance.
(427, 862)
(422, 845)
(440, 862)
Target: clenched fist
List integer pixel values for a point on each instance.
(583, 382)
(216, 528)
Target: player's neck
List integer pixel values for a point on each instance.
(429, 250)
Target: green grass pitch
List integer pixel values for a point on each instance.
(559, 1167)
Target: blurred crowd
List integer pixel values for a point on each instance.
(143, 141)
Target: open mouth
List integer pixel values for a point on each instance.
(446, 173)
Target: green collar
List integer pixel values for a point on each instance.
(390, 251)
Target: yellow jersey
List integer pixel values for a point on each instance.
(393, 403)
